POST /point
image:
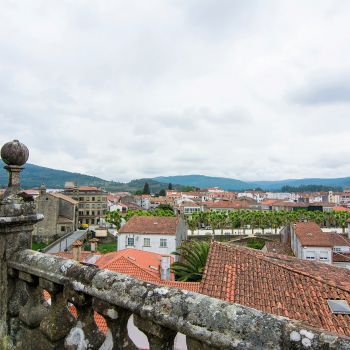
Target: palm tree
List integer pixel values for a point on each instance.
(192, 222)
(193, 257)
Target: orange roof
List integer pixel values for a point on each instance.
(137, 263)
(311, 235)
(278, 284)
(88, 188)
(340, 208)
(151, 225)
(228, 204)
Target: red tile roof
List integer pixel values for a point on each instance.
(278, 284)
(133, 262)
(228, 204)
(311, 235)
(88, 188)
(338, 239)
(151, 225)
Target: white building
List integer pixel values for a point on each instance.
(309, 242)
(155, 234)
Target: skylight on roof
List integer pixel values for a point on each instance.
(339, 306)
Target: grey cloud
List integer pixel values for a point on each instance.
(324, 91)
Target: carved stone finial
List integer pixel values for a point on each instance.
(14, 154)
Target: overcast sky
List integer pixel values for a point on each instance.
(255, 90)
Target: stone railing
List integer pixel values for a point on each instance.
(47, 302)
(159, 312)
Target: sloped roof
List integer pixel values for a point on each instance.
(311, 235)
(151, 225)
(64, 197)
(133, 262)
(278, 284)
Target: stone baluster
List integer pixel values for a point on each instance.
(117, 321)
(86, 328)
(17, 217)
(159, 337)
(59, 321)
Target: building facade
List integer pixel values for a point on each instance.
(60, 216)
(155, 234)
(92, 203)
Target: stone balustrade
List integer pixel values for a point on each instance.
(47, 302)
(159, 312)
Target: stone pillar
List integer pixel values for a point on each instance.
(17, 217)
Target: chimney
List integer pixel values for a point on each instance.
(93, 244)
(165, 268)
(76, 249)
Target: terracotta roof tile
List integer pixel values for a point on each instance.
(278, 284)
(311, 235)
(151, 225)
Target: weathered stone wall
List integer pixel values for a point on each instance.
(67, 209)
(160, 312)
(46, 229)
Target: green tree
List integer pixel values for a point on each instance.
(113, 217)
(146, 189)
(165, 207)
(162, 193)
(170, 186)
(193, 257)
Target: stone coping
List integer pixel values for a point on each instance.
(214, 322)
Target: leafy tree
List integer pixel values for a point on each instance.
(154, 212)
(146, 189)
(170, 186)
(162, 193)
(193, 257)
(165, 207)
(113, 217)
(138, 192)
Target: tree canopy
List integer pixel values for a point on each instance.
(146, 189)
(192, 259)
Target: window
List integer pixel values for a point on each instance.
(323, 256)
(63, 228)
(163, 242)
(81, 205)
(87, 198)
(81, 213)
(93, 199)
(146, 242)
(81, 199)
(92, 221)
(337, 249)
(93, 212)
(310, 255)
(130, 241)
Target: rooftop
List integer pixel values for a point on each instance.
(151, 225)
(278, 284)
(311, 235)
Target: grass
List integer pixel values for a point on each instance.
(255, 243)
(38, 245)
(103, 248)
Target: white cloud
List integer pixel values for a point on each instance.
(121, 90)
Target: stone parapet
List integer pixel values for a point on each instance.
(160, 312)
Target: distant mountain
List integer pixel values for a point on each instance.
(203, 181)
(33, 176)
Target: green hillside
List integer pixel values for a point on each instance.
(33, 176)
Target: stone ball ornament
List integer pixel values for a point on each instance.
(14, 153)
